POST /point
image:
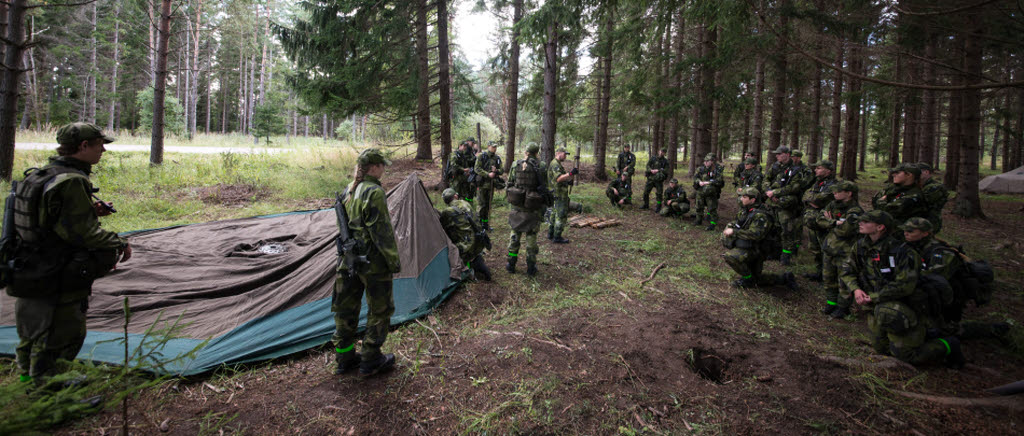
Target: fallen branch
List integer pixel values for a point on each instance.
(651, 277)
(432, 331)
(551, 343)
(884, 363)
(1013, 403)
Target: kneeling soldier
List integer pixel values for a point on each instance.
(744, 238)
(620, 191)
(461, 225)
(676, 203)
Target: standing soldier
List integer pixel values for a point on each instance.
(883, 273)
(816, 198)
(63, 250)
(745, 239)
(902, 199)
(676, 203)
(657, 168)
(620, 191)
(560, 180)
(935, 196)
(369, 223)
(460, 167)
(786, 184)
(626, 164)
(460, 224)
(737, 174)
(488, 169)
(707, 185)
(840, 218)
(527, 194)
(750, 176)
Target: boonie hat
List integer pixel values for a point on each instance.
(532, 148)
(448, 195)
(709, 156)
(797, 153)
(75, 133)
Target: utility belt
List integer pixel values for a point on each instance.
(43, 271)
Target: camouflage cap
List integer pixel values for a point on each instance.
(674, 181)
(562, 150)
(492, 143)
(878, 217)
(750, 161)
(750, 191)
(843, 186)
(372, 156)
(796, 153)
(782, 149)
(917, 223)
(626, 146)
(470, 139)
(925, 166)
(825, 164)
(532, 148)
(448, 195)
(710, 156)
(75, 133)
(906, 167)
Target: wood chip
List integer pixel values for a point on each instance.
(213, 388)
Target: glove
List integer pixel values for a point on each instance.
(574, 171)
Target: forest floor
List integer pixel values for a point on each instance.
(590, 346)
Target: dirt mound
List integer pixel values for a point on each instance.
(231, 194)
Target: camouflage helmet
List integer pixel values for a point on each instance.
(372, 156)
(878, 217)
(917, 223)
(895, 317)
(710, 156)
(843, 186)
(750, 191)
(75, 133)
(532, 148)
(448, 195)
(750, 161)
(796, 153)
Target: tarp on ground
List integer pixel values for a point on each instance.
(257, 288)
(1011, 182)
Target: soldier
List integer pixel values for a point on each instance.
(63, 249)
(750, 176)
(657, 172)
(560, 180)
(620, 191)
(935, 196)
(737, 174)
(786, 183)
(460, 224)
(528, 182)
(941, 259)
(745, 239)
(815, 199)
(676, 203)
(902, 199)
(840, 218)
(626, 164)
(460, 168)
(883, 273)
(488, 168)
(707, 186)
(369, 223)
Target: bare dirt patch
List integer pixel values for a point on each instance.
(232, 195)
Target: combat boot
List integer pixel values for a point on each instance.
(481, 268)
(346, 361)
(840, 312)
(560, 240)
(657, 208)
(644, 206)
(789, 280)
(785, 259)
(531, 268)
(745, 283)
(551, 233)
(511, 265)
(710, 227)
(699, 220)
(828, 309)
(376, 366)
(955, 357)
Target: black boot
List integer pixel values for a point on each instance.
(531, 268)
(657, 209)
(710, 227)
(560, 240)
(376, 366)
(745, 283)
(644, 206)
(828, 309)
(482, 271)
(699, 220)
(789, 280)
(346, 361)
(785, 259)
(551, 232)
(511, 265)
(955, 358)
(840, 312)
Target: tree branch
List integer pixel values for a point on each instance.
(946, 12)
(48, 5)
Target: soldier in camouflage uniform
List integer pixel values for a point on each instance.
(488, 168)
(786, 182)
(626, 163)
(460, 224)
(749, 176)
(55, 218)
(883, 273)
(676, 203)
(460, 167)
(657, 172)
(935, 196)
(902, 199)
(840, 218)
(559, 179)
(945, 261)
(527, 174)
(815, 199)
(620, 190)
(745, 240)
(707, 186)
(369, 223)
(737, 174)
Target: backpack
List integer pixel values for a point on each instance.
(975, 280)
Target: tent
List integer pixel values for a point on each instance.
(256, 288)
(1010, 182)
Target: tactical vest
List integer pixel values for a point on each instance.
(28, 199)
(527, 175)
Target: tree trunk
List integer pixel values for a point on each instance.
(927, 140)
(968, 201)
(549, 120)
(863, 136)
(10, 78)
(848, 169)
(716, 114)
(814, 148)
(156, 151)
(90, 109)
(837, 108)
(954, 137)
(513, 85)
(794, 133)
(911, 126)
(658, 55)
(758, 109)
(779, 99)
(423, 149)
(606, 92)
(113, 73)
(677, 81)
(193, 97)
(894, 123)
(705, 99)
(444, 85)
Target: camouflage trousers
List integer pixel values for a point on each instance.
(531, 245)
(659, 191)
(834, 252)
(614, 198)
(903, 337)
(463, 188)
(559, 216)
(48, 331)
(707, 206)
(485, 194)
(675, 208)
(790, 220)
(749, 264)
(346, 304)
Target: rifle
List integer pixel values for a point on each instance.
(348, 247)
(9, 240)
(106, 205)
(576, 168)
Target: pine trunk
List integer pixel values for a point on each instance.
(794, 131)
(968, 201)
(779, 99)
(837, 108)
(513, 85)
(548, 115)
(90, 114)
(814, 148)
(444, 85)
(9, 80)
(113, 72)
(897, 117)
(863, 136)
(677, 80)
(848, 169)
(705, 99)
(423, 151)
(606, 92)
(156, 151)
(758, 109)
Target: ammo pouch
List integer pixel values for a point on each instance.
(516, 196)
(659, 177)
(728, 242)
(86, 266)
(534, 201)
(36, 272)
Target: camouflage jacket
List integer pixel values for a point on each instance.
(555, 170)
(459, 222)
(677, 194)
(751, 177)
(714, 174)
(819, 195)
(886, 269)
(788, 179)
(938, 258)
(657, 163)
(486, 163)
(902, 202)
(843, 224)
(752, 223)
(935, 196)
(624, 188)
(459, 161)
(370, 224)
(69, 212)
(627, 162)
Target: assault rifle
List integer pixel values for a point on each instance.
(348, 247)
(9, 240)
(107, 206)
(575, 168)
